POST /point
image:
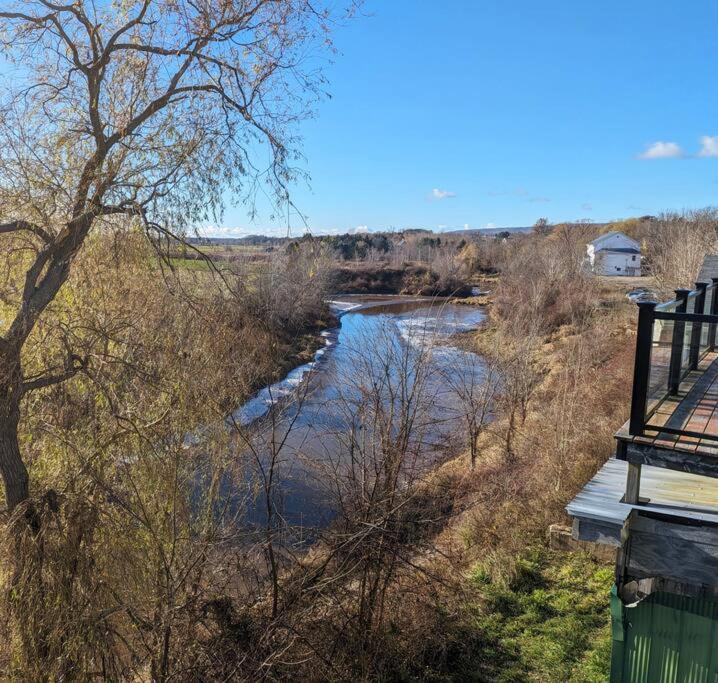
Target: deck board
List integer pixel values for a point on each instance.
(679, 494)
(694, 409)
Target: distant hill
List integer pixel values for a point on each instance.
(265, 239)
(229, 241)
(488, 232)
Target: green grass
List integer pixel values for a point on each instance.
(190, 264)
(551, 623)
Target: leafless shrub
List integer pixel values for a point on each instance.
(475, 387)
(371, 475)
(537, 458)
(543, 285)
(286, 291)
(677, 244)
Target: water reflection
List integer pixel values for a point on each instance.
(386, 380)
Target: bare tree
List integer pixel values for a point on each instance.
(542, 227)
(474, 389)
(518, 382)
(145, 112)
(371, 474)
(678, 243)
(267, 441)
(543, 285)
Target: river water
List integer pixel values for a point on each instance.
(396, 350)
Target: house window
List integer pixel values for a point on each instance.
(633, 258)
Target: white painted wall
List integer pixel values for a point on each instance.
(611, 263)
(603, 261)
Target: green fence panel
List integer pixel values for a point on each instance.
(665, 638)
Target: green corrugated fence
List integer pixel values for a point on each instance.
(666, 638)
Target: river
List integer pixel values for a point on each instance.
(396, 347)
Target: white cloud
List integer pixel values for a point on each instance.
(436, 193)
(662, 150)
(223, 231)
(539, 200)
(361, 229)
(489, 226)
(709, 146)
(586, 206)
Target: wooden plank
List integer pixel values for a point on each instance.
(633, 483)
(699, 418)
(711, 399)
(697, 382)
(695, 409)
(680, 460)
(676, 494)
(654, 554)
(595, 532)
(704, 532)
(710, 445)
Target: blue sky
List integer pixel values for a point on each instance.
(488, 112)
(497, 112)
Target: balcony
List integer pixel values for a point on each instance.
(655, 502)
(674, 404)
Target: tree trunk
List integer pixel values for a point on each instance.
(12, 467)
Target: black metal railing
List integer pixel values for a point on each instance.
(673, 338)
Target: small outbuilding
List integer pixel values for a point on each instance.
(614, 254)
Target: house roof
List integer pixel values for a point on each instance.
(618, 250)
(709, 269)
(615, 233)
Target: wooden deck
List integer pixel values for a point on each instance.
(601, 510)
(663, 518)
(694, 409)
(674, 533)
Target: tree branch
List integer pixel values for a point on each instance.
(25, 226)
(74, 365)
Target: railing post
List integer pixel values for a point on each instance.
(714, 311)
(697, 327)
(633, 484)
(679, 330)
(642, 367)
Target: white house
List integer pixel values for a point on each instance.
(614, 254)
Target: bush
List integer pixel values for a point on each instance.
(287, 292)
(677, 244)
(544, 285)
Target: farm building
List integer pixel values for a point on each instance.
(614, 254)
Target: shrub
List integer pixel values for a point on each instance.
(677, 244)
(544, 286)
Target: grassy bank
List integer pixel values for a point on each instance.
(298, 349)
(550, 622)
